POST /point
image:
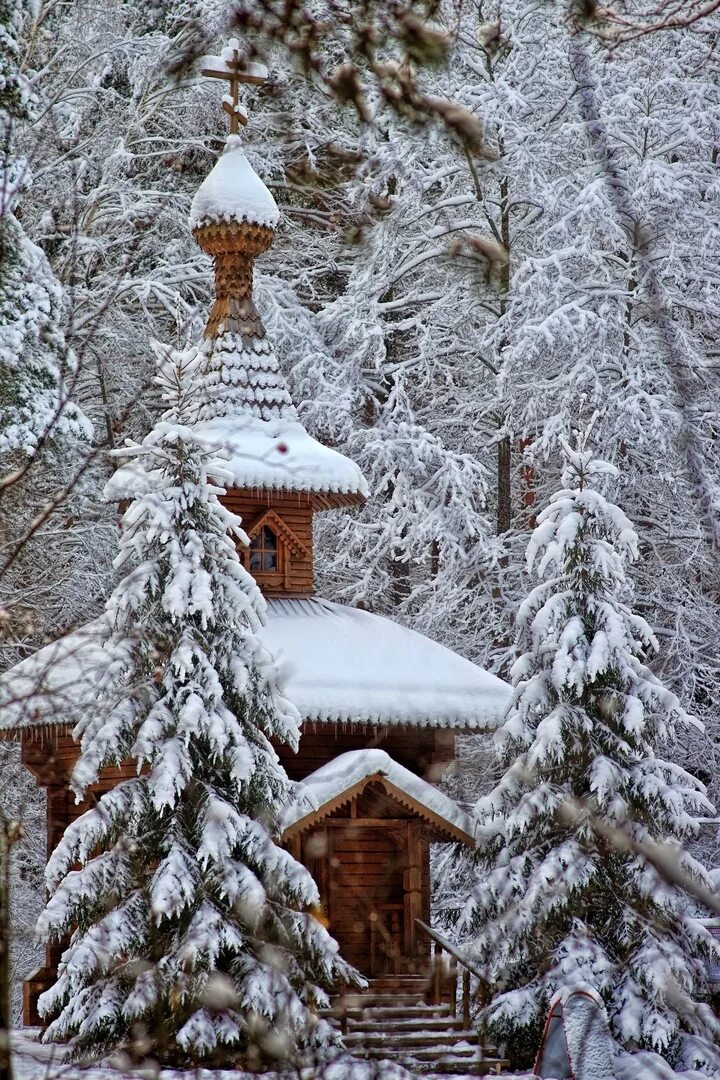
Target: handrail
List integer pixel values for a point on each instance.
(440, 944)
(450, 948)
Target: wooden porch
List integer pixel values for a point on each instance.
(369, 852)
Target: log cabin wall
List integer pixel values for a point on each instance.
(51, 753)
(295, 509)
(424, 751)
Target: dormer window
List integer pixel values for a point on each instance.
(273, 546)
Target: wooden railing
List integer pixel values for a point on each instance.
(446, 961)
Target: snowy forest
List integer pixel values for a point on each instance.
(492, 297)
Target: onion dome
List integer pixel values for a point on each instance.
(246, 407)
(233, 216)
(233, 192)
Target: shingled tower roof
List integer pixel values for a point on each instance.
(233, 216)
(246, 404)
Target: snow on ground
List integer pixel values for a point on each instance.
(33, 1061)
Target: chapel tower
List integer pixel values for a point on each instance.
(281, 476)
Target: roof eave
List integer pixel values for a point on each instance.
(439, 825)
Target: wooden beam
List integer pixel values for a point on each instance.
(413, 884)
(366, 823)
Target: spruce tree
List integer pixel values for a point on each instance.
(190, 926)
(571, 881)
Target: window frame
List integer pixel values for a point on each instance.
(269, 578)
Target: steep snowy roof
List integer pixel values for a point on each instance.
(233, 191)
(344, 664)
(279, 454)
(340, 665)
(57, 683)
(346, 773)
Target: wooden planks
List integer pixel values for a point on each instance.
(295, 510)
(374, 880)
(365, 875)
(425, 751)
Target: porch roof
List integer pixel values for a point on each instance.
(333, 785)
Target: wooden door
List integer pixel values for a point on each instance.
(366, 896)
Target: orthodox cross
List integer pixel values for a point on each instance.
(232, 66)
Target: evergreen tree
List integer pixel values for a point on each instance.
(34, 359)
(188, 920)
(569, 885)
(41, 431)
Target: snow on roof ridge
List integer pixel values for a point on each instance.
(354, 766)
(233, 191)
(345, 664)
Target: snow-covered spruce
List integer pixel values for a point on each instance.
(565, 887)
(189, 924)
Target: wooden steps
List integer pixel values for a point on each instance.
(391, 1021)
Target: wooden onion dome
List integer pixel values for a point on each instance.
(233, 247)
(280, 474)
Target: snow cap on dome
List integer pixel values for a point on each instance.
(233, 192)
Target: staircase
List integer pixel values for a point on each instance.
(391, 1021)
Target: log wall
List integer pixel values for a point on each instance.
(296, 511)
(424, 751)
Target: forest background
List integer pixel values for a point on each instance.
(447, 294)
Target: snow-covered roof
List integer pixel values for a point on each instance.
(344, 664)
(279, 455)
(55, 684)
(350, 773)
(233, 191)
(242, 377)
(341, 665)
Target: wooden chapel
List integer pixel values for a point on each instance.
(380, 704)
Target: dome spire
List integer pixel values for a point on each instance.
(245, 406)
(232, 218)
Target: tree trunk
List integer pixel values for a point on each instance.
(5, 1018)
(504, 501)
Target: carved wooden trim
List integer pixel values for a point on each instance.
(283, 530)
(438, 824)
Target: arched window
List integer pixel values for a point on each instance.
(264, 552)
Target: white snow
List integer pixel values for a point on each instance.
(233, 191)
(347, 770)
(279, 455)
(221, 65)
(57, 682)
(32, 1060)
(340, 665)
(343, 664)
